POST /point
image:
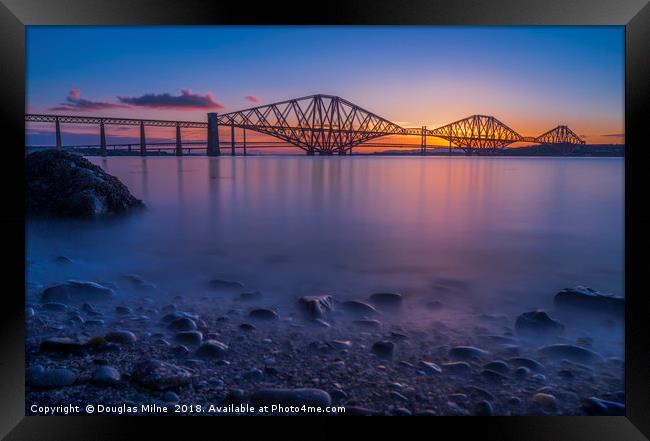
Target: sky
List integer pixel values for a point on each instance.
(530, 78)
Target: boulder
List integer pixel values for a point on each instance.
(316, 306)
(573, 353)
(583, 299)
(386, 299)
(77, 291)
(538, 324)
(64, 184)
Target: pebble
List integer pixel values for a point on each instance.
(247, 327)
(401, 411)
(29, 313)
(106, 376)
(50, 379)
(493, 375)
(160, 375)
(570, 352)
(254, 375)
(211, 349)
(386, 299)
(529, 363)
(383, 349)
(483, 408)
(248, 296)
(224, 285)
(545, 400)
(398, 396)
(498, 366)
(235, 396)
(522, 372)
(170, 397)
(457, 368)
(597, 406)
(291, 397)
(61, 345)
(121, 337)
(467, 353)
(358, 307)
(54, 306)
(429, 367)
(189, 337)
(263, 314)
(338, 394)
(365, 323)
(182, 324)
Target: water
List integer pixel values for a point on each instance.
(493, 234)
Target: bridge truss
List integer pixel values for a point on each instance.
(328, 124)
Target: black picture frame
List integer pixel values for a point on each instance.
(16, 14)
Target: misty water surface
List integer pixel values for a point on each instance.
(495, 234)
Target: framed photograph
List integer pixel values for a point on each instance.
(423, 210)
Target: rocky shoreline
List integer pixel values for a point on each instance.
(128, 344)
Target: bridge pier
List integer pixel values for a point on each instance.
(310, 152)
(102, 138)
(143, 141)
(58, 133)
(213, 135)
(179, 142)
(423, 142)
(232, 138)
(244, 133)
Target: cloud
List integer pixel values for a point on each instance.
(615, 135)
(252, 98)
(185, 101)
(74, 103)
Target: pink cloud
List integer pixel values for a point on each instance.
(185, 101)
(252, 98)
(74, 102)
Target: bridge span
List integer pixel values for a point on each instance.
(323, 124)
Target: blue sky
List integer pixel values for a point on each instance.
(532, 78)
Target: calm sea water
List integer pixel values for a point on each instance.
(490, 233)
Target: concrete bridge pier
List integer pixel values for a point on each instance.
(423, 142)
(143, 140)
(213, 135)
(102, 139)
(179, 142)
(58, 133)
(310, 152)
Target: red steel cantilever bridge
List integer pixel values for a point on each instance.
(326, 124)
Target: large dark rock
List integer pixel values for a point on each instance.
(316, 306)
(64, 184)
(538, 324)
(583, 299)
(74, 291)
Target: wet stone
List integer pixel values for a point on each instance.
(457, 368)
(538, 324)
(528, 363)
(182, 324)
(189, 337)
(597, 406)
(121, 337)
(106, 376)
(358, 307)
(61, 345)
(545, 400)
(54, 306)
(483, 408)
(77, 291)
(247, 327)
(386, 299)
(498, 366)
(493, 375)
(225, 285)
(316, 306)
(383, 349)
(170, 397)
(212, 349)
(263, 314)
(51, 379)
(467, 353)
(429, 367)
(570, 352)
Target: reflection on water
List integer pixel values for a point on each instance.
(488, 232)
